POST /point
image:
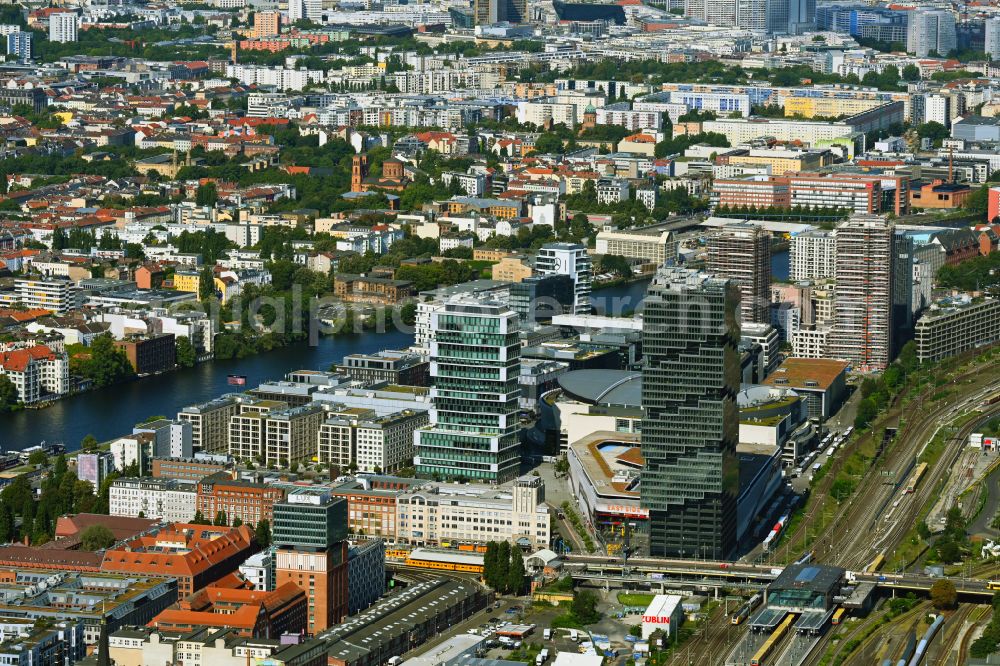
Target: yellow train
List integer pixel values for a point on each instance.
(772, 641)
(838, 616)
(439, 565)
(918, 474)
(875, 564)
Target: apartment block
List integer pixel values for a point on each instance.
(742, 253)
(954, 325)
(865, 272)
(248, 501)
(812, 255)
(147, 497)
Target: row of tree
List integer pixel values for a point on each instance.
(503, 567)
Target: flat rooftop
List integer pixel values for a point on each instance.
(611, 461)
(817, 374)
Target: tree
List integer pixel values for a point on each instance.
(548, 143)
(502, 566)
(263, 533)
(8, 395)
(220, 519)
(107, 364)
(8, 527)
(199, 518)
(207, 194)
(37, 458)
(944, 596)
(186, 354)
(96, 537)
(934, 131)
(237, 521)
(515, 574)
(584, 607)
(911, 73)
(867, 411)
(89, 443)
(206, 283)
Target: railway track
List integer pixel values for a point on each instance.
(848, 540)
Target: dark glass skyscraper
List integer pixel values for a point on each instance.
(690, 427)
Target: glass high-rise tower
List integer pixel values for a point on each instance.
(690, 425)
(475, 366)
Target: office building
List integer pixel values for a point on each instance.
(863, 329)
(210, 423)
(475, 365)
(290, 435)
(538, 298)
(568, 259)
(931, 32)
(63, 27)
(742, 253)
(365, 574)
(488, 12)
(171, 439)
(812, 255)
(657, 247)
(310, 538)
(472, 514)
(690, 381)
(385, 444)
(394, 367)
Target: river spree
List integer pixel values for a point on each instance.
(110, 412)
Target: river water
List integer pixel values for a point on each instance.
(111, 412)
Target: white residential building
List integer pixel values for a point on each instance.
(153, 498)
(813, 255)
(63, 27)
(35, 372)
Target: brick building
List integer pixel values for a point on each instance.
(250, 502)
(151, 353)
(196, 555)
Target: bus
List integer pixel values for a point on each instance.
(838, 616)
(918, 473)
(772, 641)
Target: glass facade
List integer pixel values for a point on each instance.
(690, 428)
(475, 365)
(310, 526)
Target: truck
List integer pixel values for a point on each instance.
(542, 657)
(573, 636)
(395, 660)
(547, 634)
